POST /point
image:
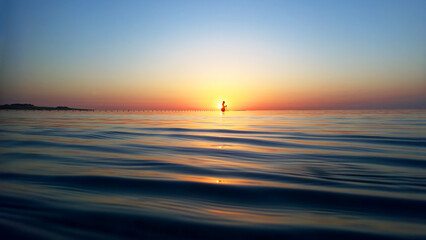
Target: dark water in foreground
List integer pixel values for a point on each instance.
(202, 175)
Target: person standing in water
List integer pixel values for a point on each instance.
(223, 106)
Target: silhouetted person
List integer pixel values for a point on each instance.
(223, 106)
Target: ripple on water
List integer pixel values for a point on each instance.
(201, 175)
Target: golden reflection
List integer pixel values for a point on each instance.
(208, 211)
(229, 181)
(244, 215)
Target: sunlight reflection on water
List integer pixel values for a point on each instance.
(265, 174)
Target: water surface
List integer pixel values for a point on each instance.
(206, 175)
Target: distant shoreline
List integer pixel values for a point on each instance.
(18, 106)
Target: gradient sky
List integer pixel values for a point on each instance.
(193, 54)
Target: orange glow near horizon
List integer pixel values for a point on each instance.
(236, 98)
(199, 74)
(243, 72)
(194, 56)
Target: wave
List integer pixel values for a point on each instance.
(242, 175)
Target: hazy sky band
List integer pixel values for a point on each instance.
(193, 54)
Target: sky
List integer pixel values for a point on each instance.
(177, 55)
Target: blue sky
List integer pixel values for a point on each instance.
(280, 45)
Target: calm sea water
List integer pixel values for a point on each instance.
(203, 175)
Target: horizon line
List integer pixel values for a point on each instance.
(212, 109)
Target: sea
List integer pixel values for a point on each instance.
(210, 175)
